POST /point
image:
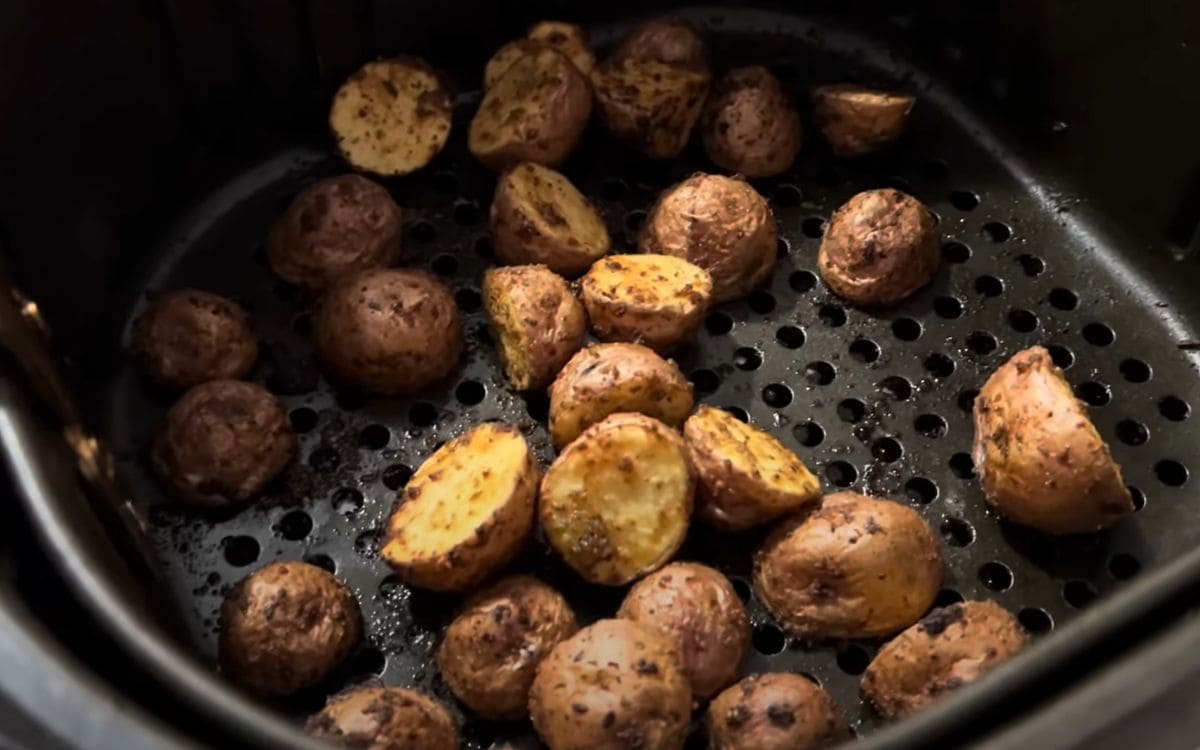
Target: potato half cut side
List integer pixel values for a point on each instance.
(466, 511)
(649, 105)
(857, 120)
(567, 38)
(656, 300)
(537, 321)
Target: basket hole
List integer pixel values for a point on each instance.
(613, 189)
(324, 460)
(1174, 409)
(348, 501)
(956, 252)
(768, 639)
(939, 365)
(294, 525)
(537, 406)
(239, 551)
(921, 490)
(948, 307)
(635, 219)
(1132, 432)
(777, 395)
(705, 381)
(1037, 621)
(1022, 321)
(741, 587)
(802, 281)
(1061, 356)
(718, 323)
(790, 337)
(747, 358)
(853, 659)
(809, 434)
(1135, 370)
(1096, 394)
(787, 195)
(470, 392)
(957, 532)
(819, 373)
(1063, 299)
(989, 286)
(966, 399)
(896, 182)
(444, 265)
(841, 473)
(813, 226)
(1171, 473)
(483, 248)
(935, 169)
(422, 414)
(322, 561)
(851, 410)
(368, 661)
(996, 231)
(906, 329)
(466, 213)
(1079, 594)
(782, 249)
(367, 543)
(1123, 567)
(930, 425)
(396, 476)
(964, 200)
(422, 231)
(738, 413)
(303, 419)
(1098, 334)
(1138, 497)
(1031, 264)
(468, 300)
(897, 387)
(761, 301)
(996, 576)
(832, 315)
(887, 449)
(982, 342)
(962, 465)
(947, 597)
(864, 350)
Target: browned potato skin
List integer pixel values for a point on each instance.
(223, 441)
(950, 647)
(286, 627)
(547, 321)
(187, 337)
(751, 125)
(649, 105)
(857, 567)
(567, 38)
(612, 686)
(1040, 459)
(880, 247)
(378, 718)
(775, 711)
(665, 39)
(491, 649)
(696, 608)
(388, 331)
(857, 120)
(722, 225)
(335, 228)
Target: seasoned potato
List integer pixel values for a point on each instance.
(537, 322)
(751, 125)
(696, 609)
(656, 300)
(950, 647)
(538, 216)
(745, 476)
(648, 105)
(504, 58)
(879, 248)
(665, 39)
(1040, 459)
(722, 225)
(187, 337)
(776, 711)
(857, 567)
(615, 504)
(857, 120)
(392, 116)
(492, 648)
(615, 684)
(378, 718)
(567, 38)
(608, 378)
(466, 511)
(535, 111)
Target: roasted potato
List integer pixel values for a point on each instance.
(492, 648)
(392, 116)
(503, 59)
(656, 300)
(608, 378)
(466, 511)
(745, 476)
(567, 38)
(775, 711)
(879, 248)
(1040, 459)
(538, 216)
(615, 684)
(335, 228)
(751, 125)
(857, 567)
(950, 647)
(615, 504)
(378, 718)
(665, 39)
(857, 120)
(696, 609)
(648, 105)
(536, 320)
(187, 337)
(722, 225)
(285, 627)
(389, 331)
(535, 111)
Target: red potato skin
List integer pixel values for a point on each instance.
(378, 718)
(776, 711)
(187, 337)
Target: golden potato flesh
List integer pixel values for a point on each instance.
(656, 300)
(537, 321)
(650, 106)
(567, 38)
(1040, 459)
(751, 125)
(857, 120)
(775, 711)
(381, 718)
(745, 476)
(857, 567)
(504, 58)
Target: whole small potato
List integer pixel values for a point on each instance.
(378, 718)
(656, 300)
(751, 125)
(285, 627)
(567, 38)
(696, 608)
(1040, 459)
(537, 321)
(857, 567)
(720, 224)
(492, 648)
(950, 647)
(774, 711)
(389, 331)
(335, 228)
(665, 39)
(879, 248)
(857, 120)
(187, 337)
(613, 685)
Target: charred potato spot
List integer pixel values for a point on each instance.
(187, 337)
(385, 719)
(751, 125)
(538, 322)
(656, 300)
(857, 120)
(774, 712)
(649, 105)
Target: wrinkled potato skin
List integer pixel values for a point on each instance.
(856, 120)
(751, 125)
(567, 38)
(535, 308)
(1040, 459)
(775, 711)
(335, 228)
(950, 647)
(286, 627)
(720, 224)
(666, 39)
(613, 686)
(656, 300)
(880, 247)
(696, 608)
(378, 718)
(187, 337)
(857, 567)
(648, 105)
(491, 649)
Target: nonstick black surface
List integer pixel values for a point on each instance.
(874, 402)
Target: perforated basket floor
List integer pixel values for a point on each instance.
(874, 402)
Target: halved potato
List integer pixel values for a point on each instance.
(615, 505)
(499, 63)
(857, 120)
(746, 476)
(650, 105)
(466, 511)
(656, 300)
(567, 38)
(392, 116)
